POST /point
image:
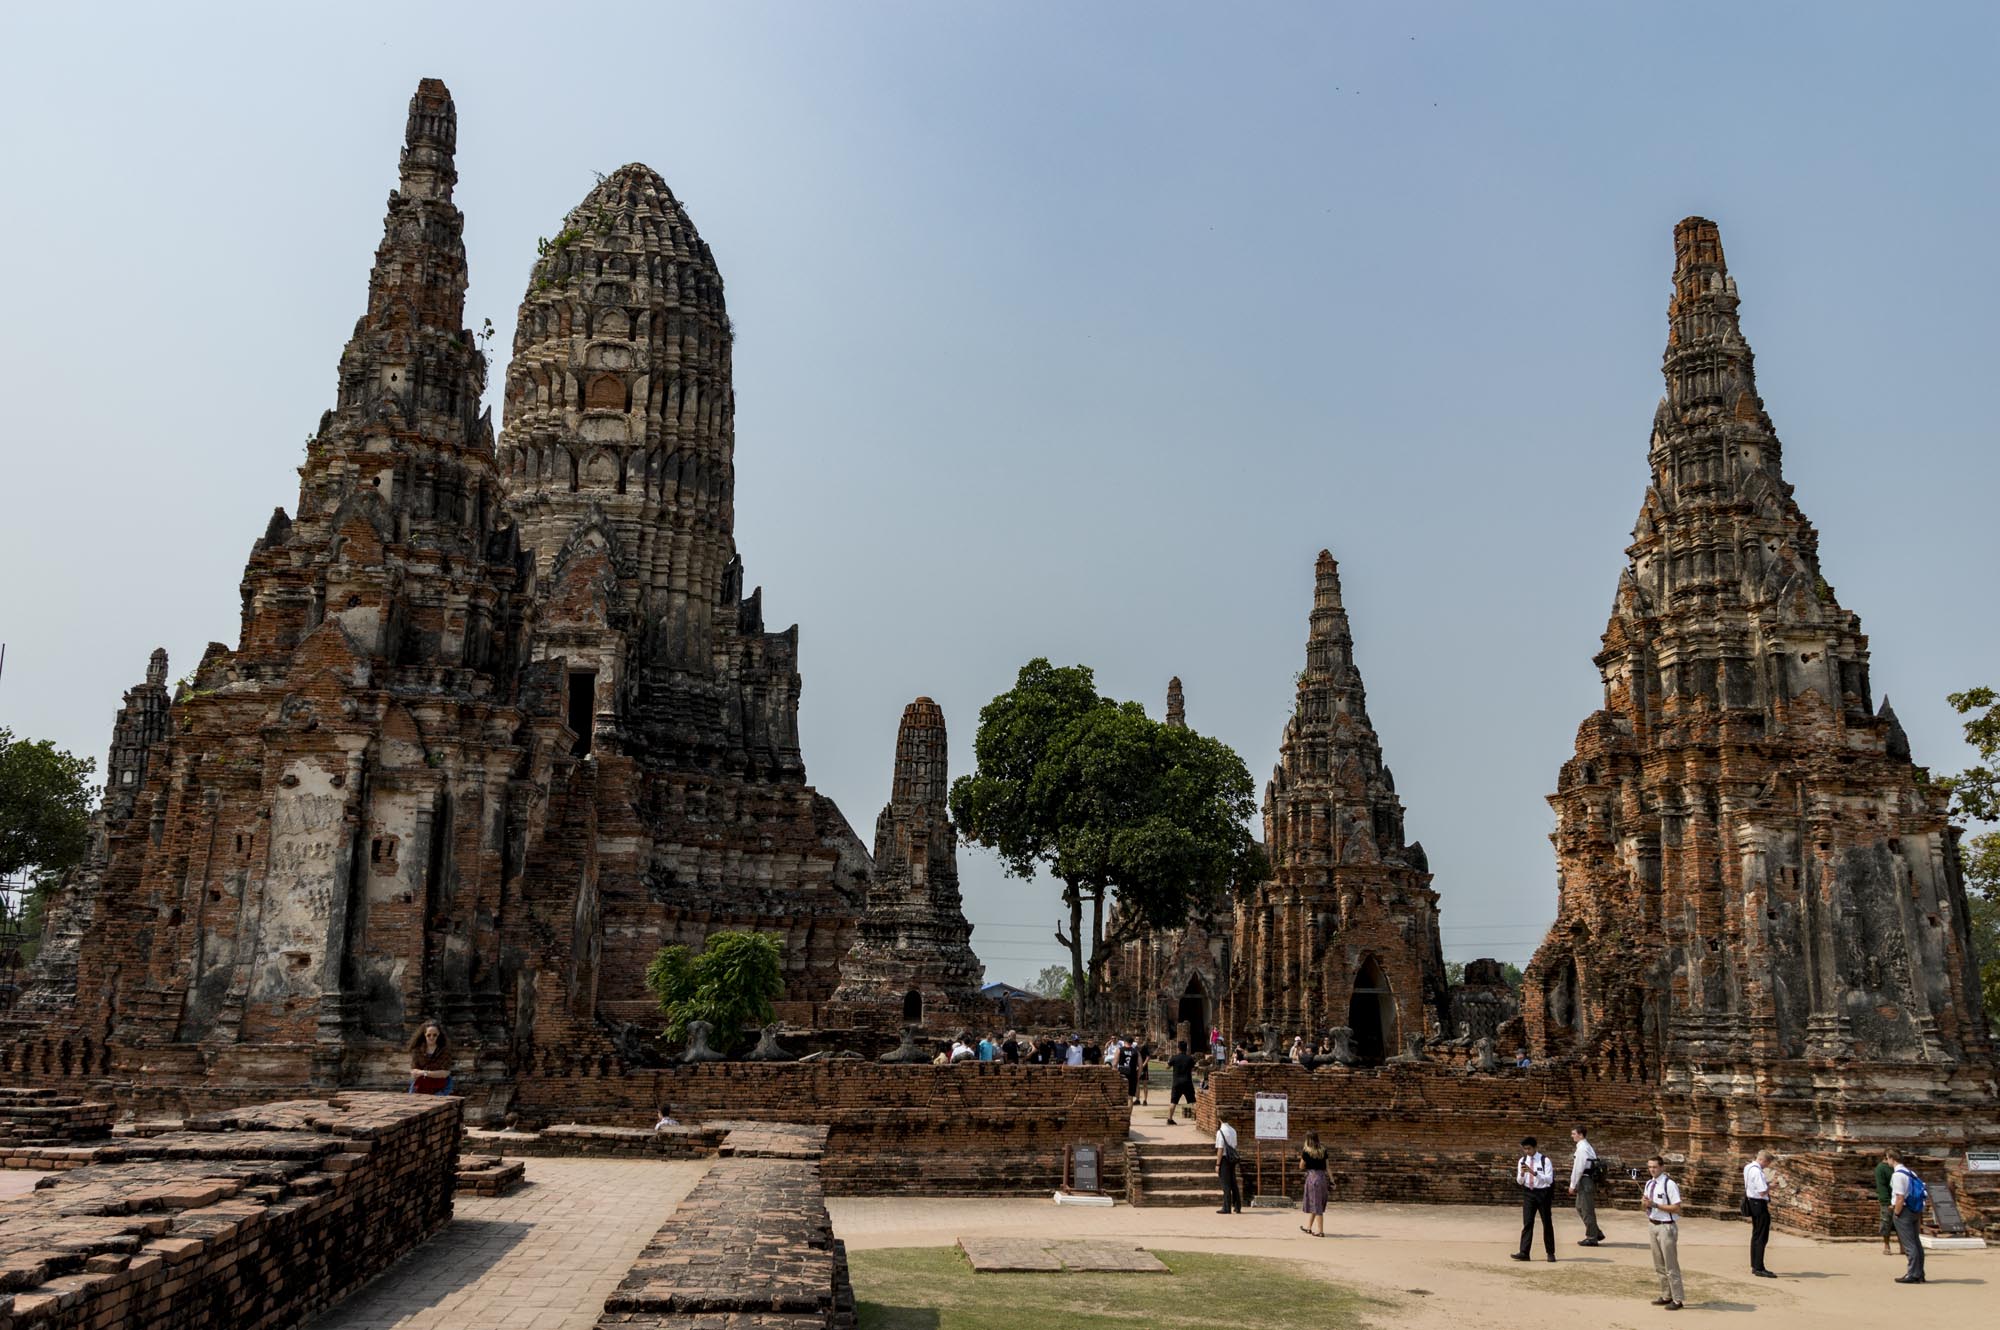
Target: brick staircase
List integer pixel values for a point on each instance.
(1172, 1173)
(47, 1117)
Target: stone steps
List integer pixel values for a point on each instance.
(1177, 1174)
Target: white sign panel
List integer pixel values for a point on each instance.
(1274, 1117)
(1983, 1161)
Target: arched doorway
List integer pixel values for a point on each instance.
(1194, 1011)
(1371, 1014)
(913, 1007)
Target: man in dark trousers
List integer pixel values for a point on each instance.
(1537, 1177)
(1225, 1169)
(1757, 1202)
(1903, 1210)
(1181, 1064)
(1583, 1186)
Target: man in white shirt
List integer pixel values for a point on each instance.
(1663, 1209)
(1225, 1168)
(1904, 1215)
(1757, 1204)
(1073, 1055)
(1583, 1186)
(1537, 1177)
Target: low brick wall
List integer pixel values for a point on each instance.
(750, 1246)
(30, 1118)
(250, 1219)
(969, 1129)
(1426, 1132)
(571, 1141)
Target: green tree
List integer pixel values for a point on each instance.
(1975, 796)
(1119, 808)
(45, 796)
(730, 983)
(1054, 982)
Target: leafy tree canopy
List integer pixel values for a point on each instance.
(1120, 808)
(45, 796)
(1975, 796)
(1053, 981)
(730, 983)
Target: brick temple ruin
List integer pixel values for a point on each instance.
(1760, 909)
(502, 720)
(1341, 942)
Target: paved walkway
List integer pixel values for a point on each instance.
(544, 1257)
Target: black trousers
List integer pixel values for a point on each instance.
(1760, 1230)
(1538, 1201)
(1232, 1199)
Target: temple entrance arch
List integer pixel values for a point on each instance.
(1371, 1014)
(913, 1007)
(1194, 1011)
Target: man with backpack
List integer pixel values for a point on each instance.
(1537, 1177)
(1906, 1207)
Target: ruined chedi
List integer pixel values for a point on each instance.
(485, 743)
(1345, 930)
(912, 960)
(1760, 906)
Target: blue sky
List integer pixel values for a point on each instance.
(1065, 330)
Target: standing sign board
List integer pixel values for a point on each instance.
(1083, 1168)
(1274, 1117)
(1943, 1208)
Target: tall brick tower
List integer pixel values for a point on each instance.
(1756, 884)
(912, 960)
(1345, 931)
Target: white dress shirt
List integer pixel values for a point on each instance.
(1662, 1190)
(1580, 1164)
(1535, 1171)
(1073, 1056)
(1225, 1138)
(1756, 1186)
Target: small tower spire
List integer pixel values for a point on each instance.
(430, 143)
(921, 768)
(1176, 704)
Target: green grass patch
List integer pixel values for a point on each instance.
(935, 1288)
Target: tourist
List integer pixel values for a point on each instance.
(1884, 1171)
(1145, 1076)
(1073, 1055)
(987, 1048)
(1537, 1177)
(1225, 1168)
(1312, 1160)
(1757, 1205)
(1010, 1048)
(1093, 1054)
(666, 1119)
(1905, 1204)
(1128, 1067)
(1240, 1057)
(1583, 1172)
(430, 1061)
(1298, 1053)
(1181, 1067)
(1215, 1037)
(943, 1058)
(1663, 1208)
(1521, 1060)
(962, 1049)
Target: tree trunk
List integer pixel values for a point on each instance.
(1078, 981)
(1097, 958)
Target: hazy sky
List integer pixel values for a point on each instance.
(1064, 330)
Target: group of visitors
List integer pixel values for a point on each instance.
(1129, 1058)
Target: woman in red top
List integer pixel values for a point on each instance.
(430, 1061)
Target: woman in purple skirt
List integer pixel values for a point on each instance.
(1312, 1159)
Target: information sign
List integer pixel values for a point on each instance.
(1083, 1168)
(1274, 1117)
(1943, 1208)
(1983, 1161)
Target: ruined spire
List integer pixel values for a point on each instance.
(1708, 365)
(1176, 704)
(430, 140)
(921, 774)
(1329, 644)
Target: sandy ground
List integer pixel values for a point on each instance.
(1447, 1266)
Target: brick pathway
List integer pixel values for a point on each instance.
(544, 1257)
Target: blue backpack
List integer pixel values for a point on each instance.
(1914, 1202)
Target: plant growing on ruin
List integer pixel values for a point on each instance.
(1119, 808)
(730, 983)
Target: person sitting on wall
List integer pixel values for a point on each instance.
(1522, 1061)
(430, 1061)
(1298, 1050)
(1073, 1055)
(666, 1118)
(962, 1049)
(943, 1058)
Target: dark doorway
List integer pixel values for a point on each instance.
(582, 708)
(1371, 1014)
(913, 1006)
(1194, 1010)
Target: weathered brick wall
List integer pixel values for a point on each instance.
(1426, 1132)
(31, 1117)
(249, 1219)
(961, 1130)
(751, 1245)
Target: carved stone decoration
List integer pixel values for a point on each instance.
(908, 1051)
(698, 1049)
(768, 1048)
(1483, 1056)
(1413, 1049)
(1343, 1046)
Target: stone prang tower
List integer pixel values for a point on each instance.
(914, 957)
(1345, 931)
(1757, 887)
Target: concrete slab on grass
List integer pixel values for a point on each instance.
(1000, 1255)
(1108, 1257)
(997, 1255)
